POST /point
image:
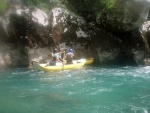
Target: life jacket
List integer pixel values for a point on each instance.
(69, 56)
(51, 56)
(54, 56)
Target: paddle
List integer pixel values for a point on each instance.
(62, 66)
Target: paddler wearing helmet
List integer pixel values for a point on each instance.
(69, 57)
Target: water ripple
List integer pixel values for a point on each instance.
(85, 90)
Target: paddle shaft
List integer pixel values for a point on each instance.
(62, 67)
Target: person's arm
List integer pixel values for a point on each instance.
(72, 55)
(57, 59)
(61, 56)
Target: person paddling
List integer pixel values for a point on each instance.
(62, 55)
(55, 58)
(69, 57)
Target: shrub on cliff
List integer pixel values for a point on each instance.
(3, 7)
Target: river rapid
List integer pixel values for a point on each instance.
(91, 89)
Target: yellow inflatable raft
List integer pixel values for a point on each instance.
(59, 66)
(89, 61)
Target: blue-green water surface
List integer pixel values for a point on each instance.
(89, 89)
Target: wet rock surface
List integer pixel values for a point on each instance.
(28, 33)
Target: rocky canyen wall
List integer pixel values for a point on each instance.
(110, 34)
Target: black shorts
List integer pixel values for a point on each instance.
(69, 62)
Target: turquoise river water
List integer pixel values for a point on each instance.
(90, 89)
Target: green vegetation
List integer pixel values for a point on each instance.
(45, 5)
(94, 7)
(3, 7)
(109, 4)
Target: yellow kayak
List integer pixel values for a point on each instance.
(59, 66)
(89, 61)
